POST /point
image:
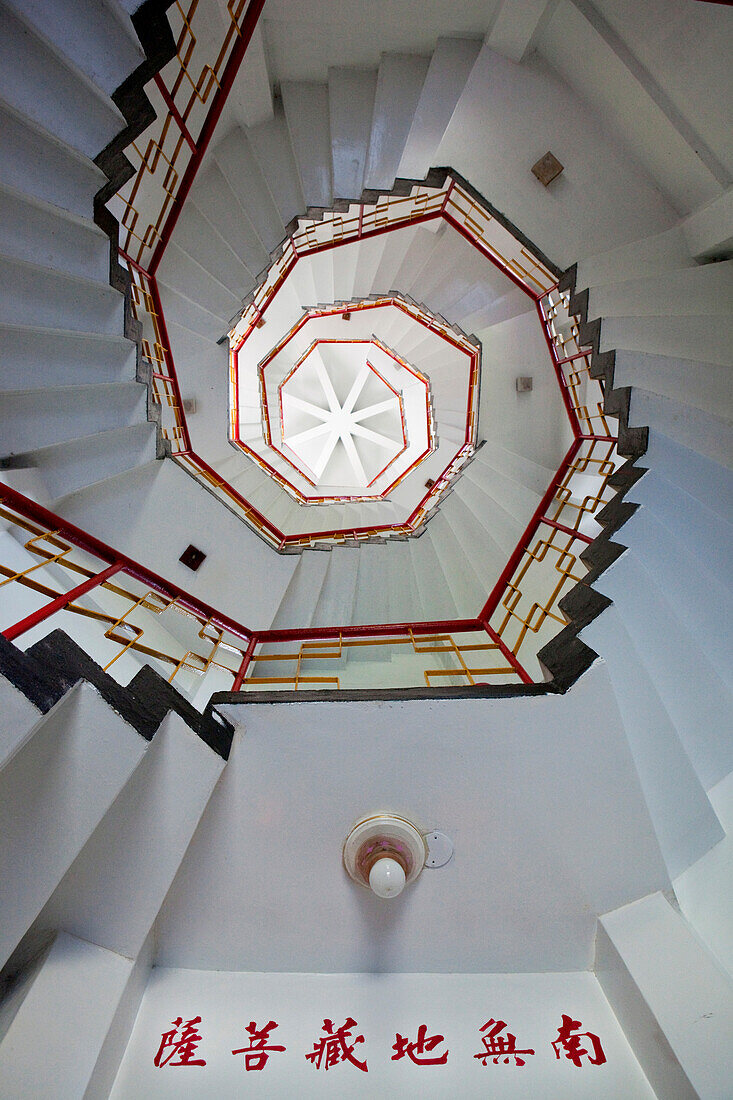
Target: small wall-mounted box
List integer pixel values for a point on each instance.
(547, 168)
(192, 557)
(524, 383)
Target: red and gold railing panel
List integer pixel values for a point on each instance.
(111, 609)
(439, 659)
(210, 41)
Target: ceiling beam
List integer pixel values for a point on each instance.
(514, 27)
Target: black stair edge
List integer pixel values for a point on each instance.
(384, 695)
(52, 666)
(566, 657)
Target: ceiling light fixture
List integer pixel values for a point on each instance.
(385, 853)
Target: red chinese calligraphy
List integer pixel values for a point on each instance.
(333, 1047)
(570, 1044)
(500, 1047)
(419, 1051)
(180, 1048)
(257, 1053)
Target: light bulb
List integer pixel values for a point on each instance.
(387, 878)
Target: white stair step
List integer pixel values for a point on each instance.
(372, 595)
(55, 791)
(466, 588)
(531, 474)
(185, 275)
(698, 599)
(392, 258)
(405, 602)
(42, 419)
(683, 819)
(186, 313)
(198, 238)
(700, 431)
(659, 978)
(513, 496)
(692, 337)
(321, 265)
(661, 253)
(35, 231)
(115, 887)
(399, 84)
(704, 533)
(336, 600)
(351, 94)
(97, 37)
(73, 980)
(77, 112)
(69, 180)
(447, 74)
(300, 601)
(239, 166)
(706, 386)
(36, 359)
(20, 718)
(704, 480)
(345, 260)
(68, 467)
(485, 555)
(306, 111)
(415, 259)
(220, 206)
(43, 298)
(700, 291)
(371, 251)
(435, 594)
(695, 697)
(270, 142)
(504, 528)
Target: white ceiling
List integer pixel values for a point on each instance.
(540, 797)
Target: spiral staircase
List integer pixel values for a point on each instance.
(135, 834)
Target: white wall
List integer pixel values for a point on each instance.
(156, 511)
(455, 1006)
(508, 116)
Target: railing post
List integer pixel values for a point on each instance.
(62, 601)
(248, 654)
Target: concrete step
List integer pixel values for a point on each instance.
(699, 431)
(182, 272)
(649, 256)
(435, 594)
(112, 892)
(503, 527)
(42, 298)
(448, 71)
(399, 84)
(78, 113)
(197, 237)
(68, 467)
(306, 111)
(469, 594)
(336, 599)
(270, 143)
(692, 291)
(690, 337)
(694, 696)
(97, 37)
(705, 386)
(45, 418)
(55, 791)
(69, 180)
(243, 174)
(351, 94)
(40, 233)
(298, 605)
(686, 469)
(38, 359)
